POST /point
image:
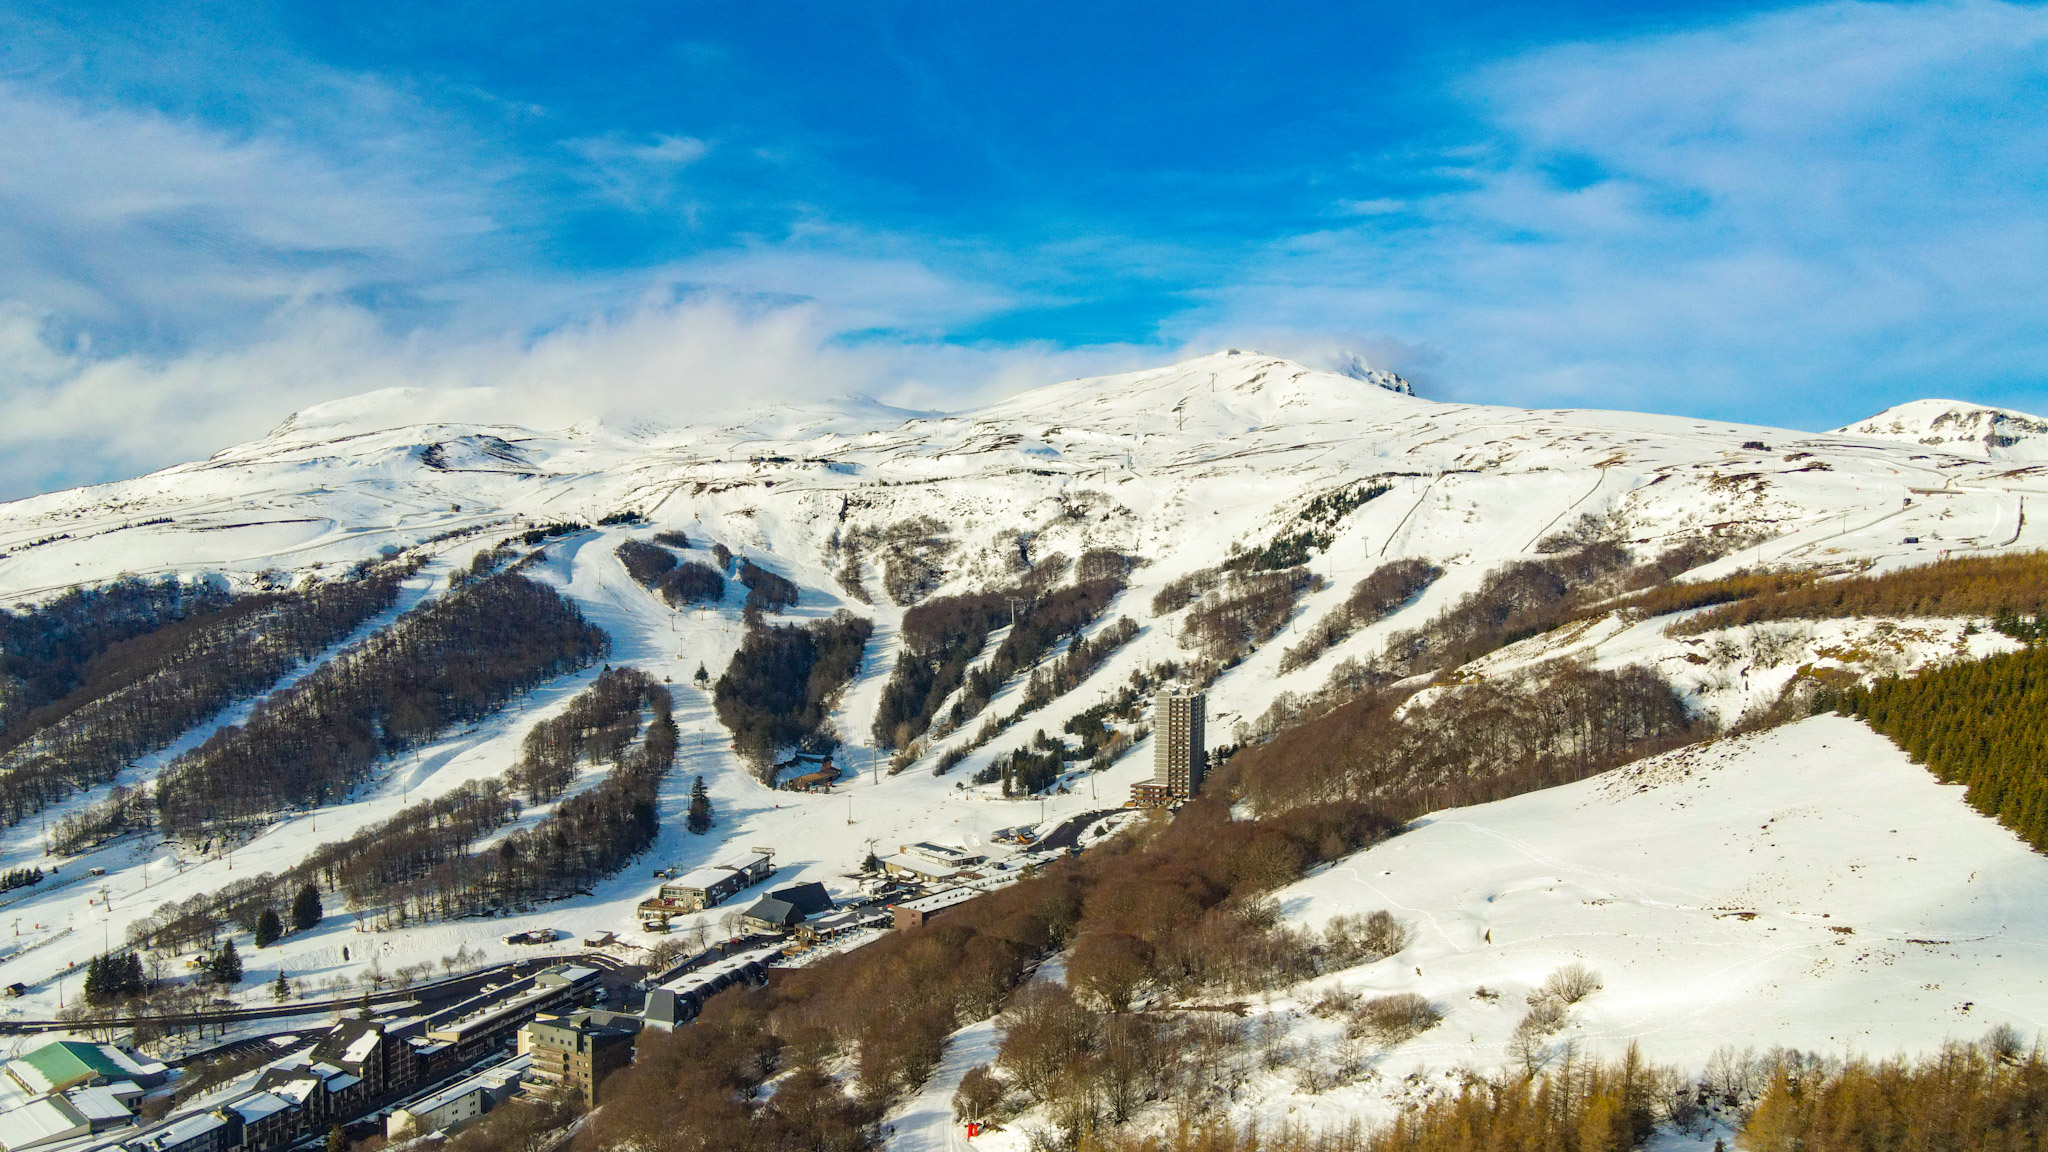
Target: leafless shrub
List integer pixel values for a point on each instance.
(1351, 939)
(1336, 1002)
(1393, 1019)
(1568, 985)
(1544, 1017)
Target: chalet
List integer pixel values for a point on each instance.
(811, 899)
(771, 915)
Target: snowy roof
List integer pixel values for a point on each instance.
(701, 878)
(297, 1091)
(922, 867)
(496, 1076)
(62, 1063)
(259, 1106)
(39, 1122)
(938, 900)
(362, 1047)
(140, 1069)
(98, 1104)
(562, 974)
(178, 1132)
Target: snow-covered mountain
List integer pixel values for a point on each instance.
(1173, 465)
(1179, 468)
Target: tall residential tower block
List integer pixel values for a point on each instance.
(1180, 754)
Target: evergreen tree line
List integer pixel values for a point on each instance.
(1314, 532)
(1084, 655)
(45, 649)
(20, 878)
(678, 583)
(1384, 591)
(1028, 770)
(779, 687)
(453, 660)
(598, 726)
(139, 695)
(1983, 723)
(940, 638)
(113, 978)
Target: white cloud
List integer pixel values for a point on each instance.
(662, 360)
(125, 220)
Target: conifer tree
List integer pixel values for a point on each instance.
(700, 808)
(306, 910)
(96, 981)
(227, 965)
(268, 928)
(281, 990)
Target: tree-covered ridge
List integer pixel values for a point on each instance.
(45, 650)
(1983, 724)
(942, 637)
(2013, 584)
(781, 683)
(139, 695)
(423, 863)
(598, 725)
(456, 659)
(678, 583)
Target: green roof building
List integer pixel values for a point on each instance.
(64, 1064)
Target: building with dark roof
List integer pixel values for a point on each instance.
(771, 915)
(811, 899)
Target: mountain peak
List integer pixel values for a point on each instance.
(1961, 427)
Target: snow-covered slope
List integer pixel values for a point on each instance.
(1807, 887)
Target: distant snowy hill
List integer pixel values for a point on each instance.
(1956, 426)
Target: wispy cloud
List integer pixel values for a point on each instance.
(637, 173)
(1805, 214)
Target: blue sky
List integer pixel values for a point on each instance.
(214, 214)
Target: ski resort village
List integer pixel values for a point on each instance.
(1228, 747)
